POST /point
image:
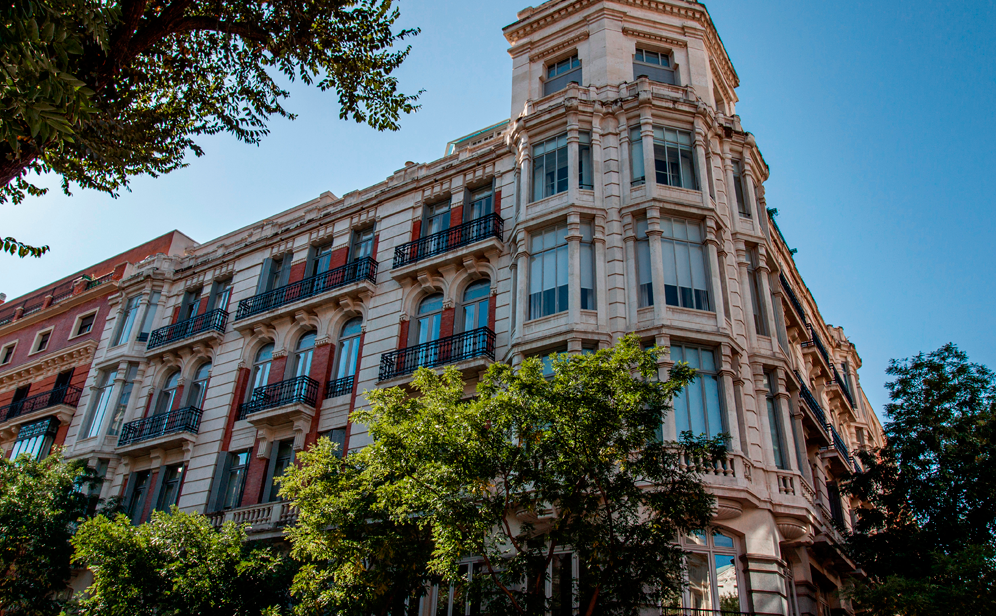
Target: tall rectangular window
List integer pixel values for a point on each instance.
(674, 159)
(548, 272)
(150, 316)
(35, 439)
(587, 257)
(550, 167)
(283, 456)
(775, 423)
(585, 176)
(644, 271)
(559, 74)
(697, 407)
(128, 316)
(99, 404)
(114, 428)
(685, 281)
(636, 155)
(85, 324)
(756, 298)
(135, 505)
(743, 201)
(655, 66)
(362, 244)
(238, 466)
(169, 493)
(481, 204)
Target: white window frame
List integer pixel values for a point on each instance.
(38, 335)
(79, 320)
(3, 352)
(711, 551)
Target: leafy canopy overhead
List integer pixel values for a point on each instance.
(928, 541)
(99, 91)
(529, 467)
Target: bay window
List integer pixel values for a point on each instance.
(697, 408)
(548, 272)
(674, 160)
(644, 271)
(587, 257)
(685, 280)
(550, 167)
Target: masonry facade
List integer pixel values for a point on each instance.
(621, 195)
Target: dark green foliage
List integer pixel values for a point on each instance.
(927, 541)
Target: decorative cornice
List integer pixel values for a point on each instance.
(660, 38)
(49, 365)
(561, 46)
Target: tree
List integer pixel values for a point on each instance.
(529, 468)
(177, 564)
(97, 91)
(927, 539)
(40, 503)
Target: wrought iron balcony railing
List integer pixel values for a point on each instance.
(470, 232)
(691, 611)
(842, 384)
(69, 395)
(171, 422)
(339, 387)
(475, 343)
(814, 340)
(838, 443)
(301, 389)
(810, 400)
(361, 269)
(214, 320)
(793, 298)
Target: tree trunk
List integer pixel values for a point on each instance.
(12, 167)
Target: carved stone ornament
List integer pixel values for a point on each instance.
(727, 509)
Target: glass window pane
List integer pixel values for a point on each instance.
(699, 582)
(696, 407)
(726, 583)
(713, 410)
(683, 266)
(697, 262)
(670, 266)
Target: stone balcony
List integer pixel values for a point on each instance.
(267, 517)
(60, 403)
(291, 402)
(468, 241)
(170, 430)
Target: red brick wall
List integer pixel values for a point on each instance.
(297, 272)
(321, 366)
(339, 257)
(202, 306)
(491, 311)
(416, 230)
(241, 385)
(497, 202)
(176, 314)
(149, 496)
(446, 322)
(178, 398)
(456, 216)
(277, 368)
(403, 334)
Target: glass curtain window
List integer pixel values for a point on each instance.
(587, 257)
(362, 245)
(550, 167)
(150, 315)
(238, 464)
(584, 161)
(481, 203)
(636, 155)
(674, 159)
(476, 304)
(128, 316)
(164, 401)
(198, 387)
(697, 407)
(775, 423)
(169, 493)
(261, 367)
(349, 348)
(114, 428)
(644, 271)
(100, 403)
(548, 272)
(753, 275)
(713, 580)
(743, 206)
(685, 279)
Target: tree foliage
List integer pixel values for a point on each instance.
(529, 467)
(99, 91)
(177, 564)
(927, 539)
(40, 503)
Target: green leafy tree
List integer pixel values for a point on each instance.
(40, 504)
(927, 539)
(528, 468)
(98, 91)
(177, 564)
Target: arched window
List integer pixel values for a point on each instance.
(430, 313)
(476, 300)
(261, 367)
(303, 353)
(198, 387)
(166, 395)
(713, 579)
(349, 345)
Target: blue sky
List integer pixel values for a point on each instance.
(876, 119)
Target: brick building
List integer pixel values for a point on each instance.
(621, 195)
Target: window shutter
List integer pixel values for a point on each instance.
(264, 276)
(154, 494)
(309, 268)
(270, 468)
(221, 468)
(285, 268)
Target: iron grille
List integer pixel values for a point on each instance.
(838, 443)
(814, 340)
(793, 298)
(213, 320)
(470, 232)
(842, 384)
(690, 611)
(69, 395)
(300, 389)
(339, 387)
(475, 343)
(180, 420)
(96, 282)
(810, 400)
(361, 269)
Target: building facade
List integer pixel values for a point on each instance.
(621, 195)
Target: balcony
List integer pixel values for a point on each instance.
(815, 342)
(816, 417)
(793, 299)
(60, 402)
(691, 611)
(838, 451)
(203, 326)
(361, 273)
(288, 402)
(449, 242)
(339, 387)
(169, 430)
(842, 388)
(258, 518)
(468, 345)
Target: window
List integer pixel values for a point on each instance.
(674, 161)
(235, 481)
(102, 399)
(198, 387)
(117, 418)
(559, 74)
(169, 492)
(321, 261)
(437, 218)
(349, 348)
(697, 407)
(754, 276)
(18, 401)
(362, 244)
(548, 358)
(476, 304)
(274, 274)
(585, 180)
(685, 280)
(713, 579)
(550, 167)
(338, 436)
(481, 203)
(7, 353)
(775, 423)
(636, 155)
(41, 341)
(743, 205)
(644, 270)
(85, 324)
(587, 258)
(164, 401)
(303, 353)
(282, 454)
(655, 66)
(221, 291)
(261, 368)
(35, 439)
(190, 305)
(548, 272)
(136, 500)
(127, 320)
(430, 313)
(150, 316)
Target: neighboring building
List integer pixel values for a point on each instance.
(623, 195)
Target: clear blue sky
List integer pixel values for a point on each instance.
(875, 117)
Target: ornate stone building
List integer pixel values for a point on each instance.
(621, 195)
